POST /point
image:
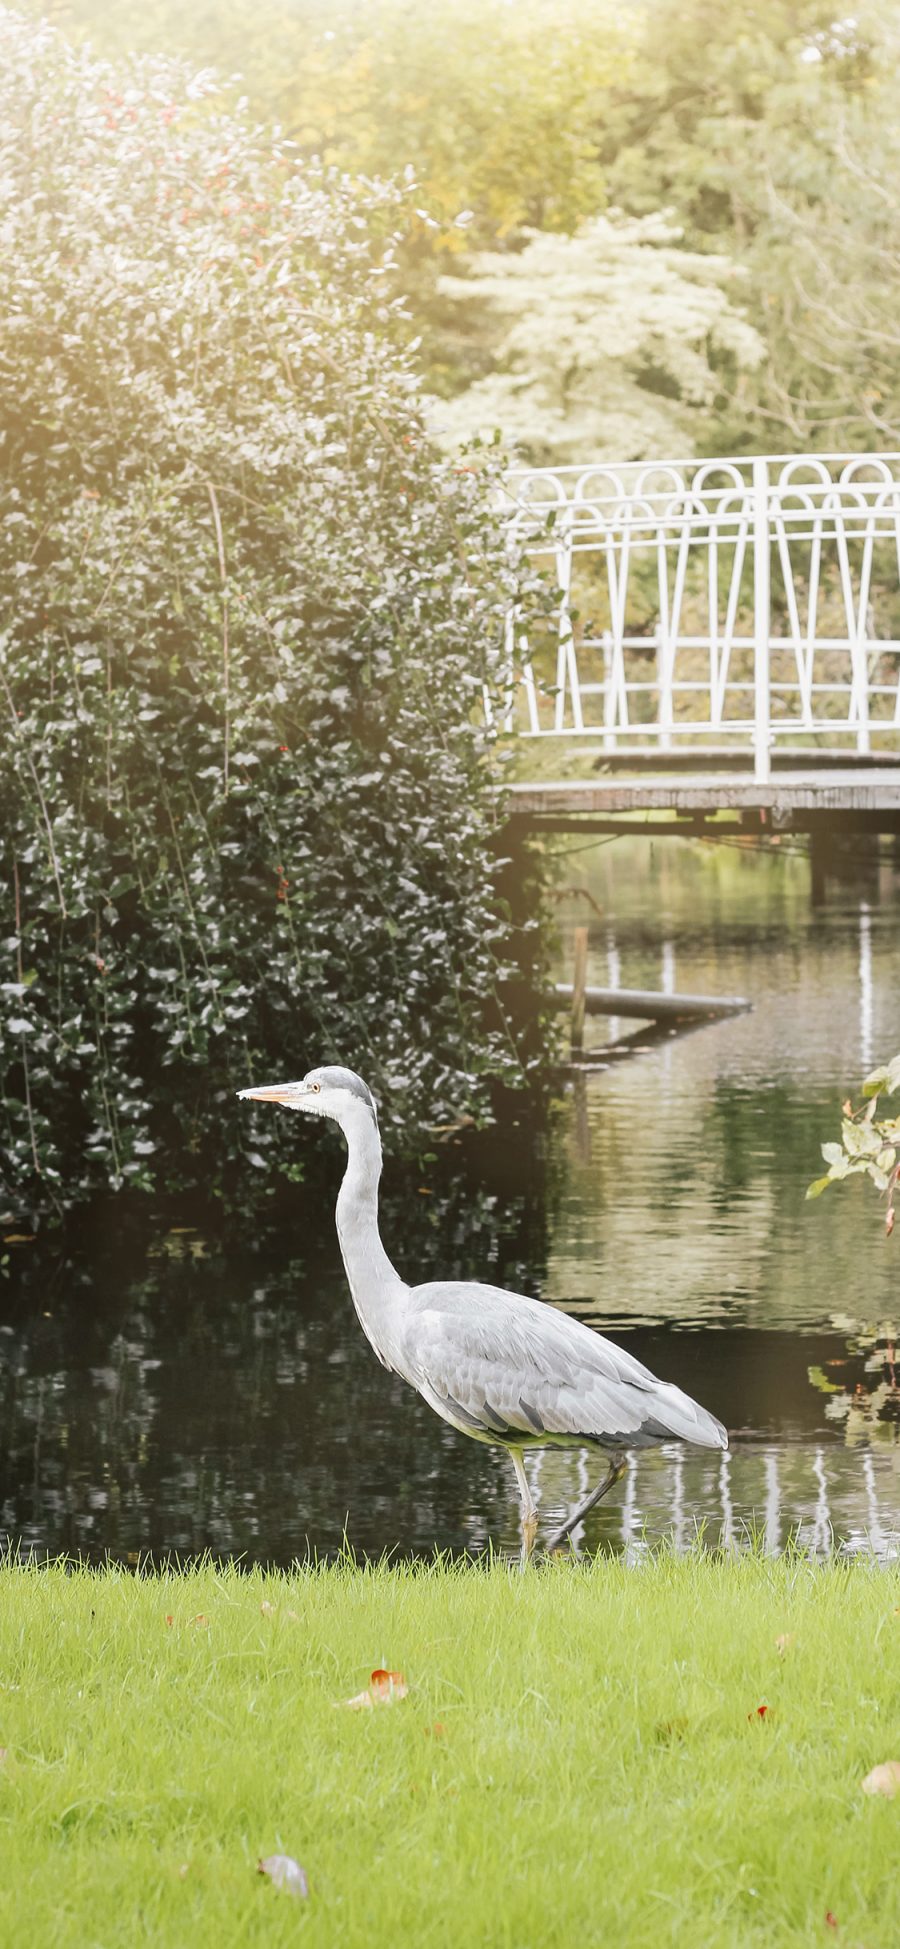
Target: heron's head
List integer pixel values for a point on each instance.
(330, 1092)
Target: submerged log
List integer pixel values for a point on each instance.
(648, 1006)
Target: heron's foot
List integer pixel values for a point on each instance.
(529, 1535)
(617, 1468)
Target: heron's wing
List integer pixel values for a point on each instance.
(501, 1365)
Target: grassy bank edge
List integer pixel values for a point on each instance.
(581, 1756)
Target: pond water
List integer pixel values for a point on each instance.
(195, 1402)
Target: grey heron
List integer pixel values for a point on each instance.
(501, 1368)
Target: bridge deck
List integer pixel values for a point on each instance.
(788, 802)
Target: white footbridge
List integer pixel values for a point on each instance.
(740, 613)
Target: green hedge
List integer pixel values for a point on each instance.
(248, 820)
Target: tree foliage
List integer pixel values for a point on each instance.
(772, 131)
(765, 132)
(498, 108)
(610, 343)
(247, 823)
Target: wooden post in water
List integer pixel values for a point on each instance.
(579, 987)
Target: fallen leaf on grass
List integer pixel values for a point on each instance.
(284, 1872)
(384, 1687)
(831, 1921)
(883, 1779)
(784, 1642)
(388, 1685)
(201, 1619)
(762, 1712)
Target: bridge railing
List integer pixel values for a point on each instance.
(733, 602)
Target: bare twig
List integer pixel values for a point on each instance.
(20, 970)
(226, 652)
(576, 893)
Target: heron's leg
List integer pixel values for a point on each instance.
(618, 1465)
(529, 1512)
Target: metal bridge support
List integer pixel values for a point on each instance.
(761, 622)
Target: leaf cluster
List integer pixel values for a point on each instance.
(870, 1143)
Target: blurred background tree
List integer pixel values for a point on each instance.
(773, 132)
(614, 343)
(498, 108)
(765, 133)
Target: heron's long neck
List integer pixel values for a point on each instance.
(378, 1290)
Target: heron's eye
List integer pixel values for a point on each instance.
(315, 1087)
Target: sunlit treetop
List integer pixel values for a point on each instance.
(497, 107)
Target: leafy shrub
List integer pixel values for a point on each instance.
(247, 823)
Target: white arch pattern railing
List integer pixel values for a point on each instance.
(736, 601)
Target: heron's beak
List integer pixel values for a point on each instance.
(272, 1093)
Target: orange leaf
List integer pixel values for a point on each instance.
(201, 1619)
(387, 1686)
(762, 1712)
(384, 1688)
(883, 1779)
(169, 1619)
(831, 1921)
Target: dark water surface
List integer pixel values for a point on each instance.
(195, 1402)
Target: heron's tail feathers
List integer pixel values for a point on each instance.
(685, 1420)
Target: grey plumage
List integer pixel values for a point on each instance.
(498, 1366)
(511, 1369)
(335, 1077)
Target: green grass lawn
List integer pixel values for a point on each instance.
(579, 1758)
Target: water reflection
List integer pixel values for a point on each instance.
(195, 1403)
(861, 1387)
